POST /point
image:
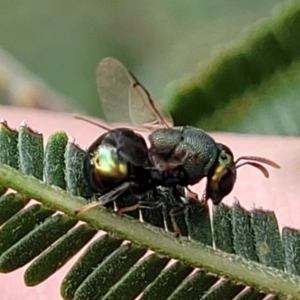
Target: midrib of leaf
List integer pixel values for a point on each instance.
(197, 255)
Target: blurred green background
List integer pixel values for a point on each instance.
(222, 65)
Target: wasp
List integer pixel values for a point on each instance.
(120, 162)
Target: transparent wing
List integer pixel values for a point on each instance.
(124, 99)
(144, 110)
(114, 84)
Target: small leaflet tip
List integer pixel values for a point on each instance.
(71, 140)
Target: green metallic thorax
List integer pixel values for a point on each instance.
(190, 144)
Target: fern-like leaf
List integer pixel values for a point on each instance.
(111, 268)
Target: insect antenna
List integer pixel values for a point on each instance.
(253, 161)
(86, 119)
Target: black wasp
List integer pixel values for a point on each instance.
(119, 161)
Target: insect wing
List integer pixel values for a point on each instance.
(114, 83)
(124, 99)
(144, 110)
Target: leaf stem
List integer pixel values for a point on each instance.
(269, 280)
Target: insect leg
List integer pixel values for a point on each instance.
(108, 197)
(141, 204)
(177, 211)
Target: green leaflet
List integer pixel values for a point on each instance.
(8, 144)
(22, 252)
(138, 278)
(58, 254)
(94, 255)
(243, 235)
(236, 89)
(31, 152)
(267, 238)
(223, 228)
(54, 162)
(167, 281)
(110, 271)
(10, 204)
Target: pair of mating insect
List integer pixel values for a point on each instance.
(119, 162)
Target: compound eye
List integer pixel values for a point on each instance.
(223, 156)
(226, 181)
